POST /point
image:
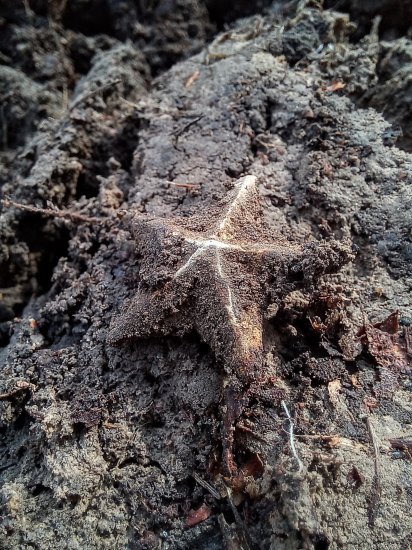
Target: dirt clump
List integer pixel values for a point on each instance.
(127, 386)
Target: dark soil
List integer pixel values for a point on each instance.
(116, 117)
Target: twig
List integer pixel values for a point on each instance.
(4, 58)
(67, 215)
(230, 539)
(192, 78)
(10, 393)
(402, 443)
(239, 521)
(185, 127)
(131, 104)
(246, 429)
(292, 437)
(99, 89)
(7, 466)
(21, 385)
(316, 436)
(376, 490)
(206, 486)
(184, 185)
(408, 340)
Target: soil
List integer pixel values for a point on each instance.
(118, 117)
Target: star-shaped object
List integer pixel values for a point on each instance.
(216, 272)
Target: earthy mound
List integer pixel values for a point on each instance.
(205, 275)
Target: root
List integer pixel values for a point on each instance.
(67, 215)
(292, 437)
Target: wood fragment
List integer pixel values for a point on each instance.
(335, 86)
(206, 486)
(408, 340)
(248, 543)
(246, 429)
(184, 185)
(401, 443)
(376, 490)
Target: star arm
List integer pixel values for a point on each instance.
(152, 314)
(241, 219)
(158, 306)
(229, 312)
(302, 266)
(160, 249)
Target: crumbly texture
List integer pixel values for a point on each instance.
(111, 429)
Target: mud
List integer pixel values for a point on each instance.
(152, 111)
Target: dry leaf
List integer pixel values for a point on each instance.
(197, 516)
(383, 344)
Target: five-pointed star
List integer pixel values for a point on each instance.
(213, 272)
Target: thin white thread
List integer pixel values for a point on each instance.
(292, 437)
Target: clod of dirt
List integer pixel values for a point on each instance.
(127, 439)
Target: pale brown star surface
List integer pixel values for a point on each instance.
(216, 272)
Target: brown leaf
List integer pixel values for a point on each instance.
(382, 342)
(197, 516)
(390, 324)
